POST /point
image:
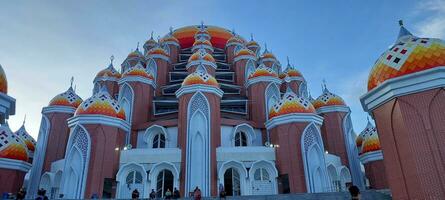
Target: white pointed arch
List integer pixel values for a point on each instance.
(352, 152)
(272, 95)
(152, 131)
(262, 186)
(344, 177)
(276, 68)
(240, 169)
(121, 177)
(126, 100)
(159, 167)
(77, 158)
(249, 69)
(39, 157)
(245, 128)
(302, 89)
(46, 182)
(152, 67)
(166, 48)
(313, 159)
(198, 144)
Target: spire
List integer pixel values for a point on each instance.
(137, 47)
(72, 81)
(288, 63)
(251, 37)
(202, 25)
(24, 120)
(265, 48)
(171, 31)
(323, 86)
(112, 59)
(151, 36)
(403, 31)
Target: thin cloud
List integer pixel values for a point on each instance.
(434, 25)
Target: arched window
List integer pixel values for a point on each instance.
(164, 182)
(261, 175)
(240, 139)
(134, 177)
(232, 183)
(159, 141)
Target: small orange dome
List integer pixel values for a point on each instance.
(370, 140)
(138, 70)
(158, 51)
(263, 71)
(150, 43)
(26, 138)
(200, 77)
(245, 52)
(291, 103)
(235, 40)
(101, 103)
(290, 71)
(408, 55)
(135, 54)
(11, 146)
(328, 99)
(68, 98)
(3, 81)
(201, 55)
(202, 42)
(110, 71)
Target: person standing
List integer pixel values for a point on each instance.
(176, 194)
(355, 192)
(135, 194)
(153, 194)
(21, 194)
(168, 194)
(197, 194)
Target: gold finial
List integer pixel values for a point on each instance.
(137, 47)
(111, 59)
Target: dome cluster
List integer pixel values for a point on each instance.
(368, 140)
(410, 54)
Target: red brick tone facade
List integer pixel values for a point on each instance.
(411, 129)
(333, 135)
(375, 172)
(11, 180)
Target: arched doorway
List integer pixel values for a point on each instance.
(232, 183)
(262, 183)
(133, 181)
(164, 181)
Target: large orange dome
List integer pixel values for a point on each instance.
(368, 140)
(11, 146)
(68, 98)
(408, 55)
(328, 99)
(26, 138)
(200, 77)
(101, 103)
(291, 103)
(186, 35)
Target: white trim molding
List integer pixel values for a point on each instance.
(244, 57)
(259, 79)
(404, 85)
(171, 43)
(326, 109)
(294, 117)
(162, 57)
(13, 164)
(137, 79)
(203, 46)
(59, 109)
(199, 88)
(108, 78)
(99, 119)
(201, 61)
(371, 156)
(289, 79)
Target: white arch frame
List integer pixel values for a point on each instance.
(309, 170)
(122, 174)
(39, 157)
(333, 176)
(270, 168)
(151, 132)
(152, 67)
(302, 89)
(158, 168)
(206, 139)
(126, 94)
(276, 68)
(71, 147)
(46, 182)
(250, 68)
(352, 151)
(344, 176)
(241, 170)
(246, 128)
(272, 91)
(57, 183)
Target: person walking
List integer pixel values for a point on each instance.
(21, 194)
(176, 194)
(168, 194)
(135, 194)
(153, 194)
(355, 192)
(197, 194)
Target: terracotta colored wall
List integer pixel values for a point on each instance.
(112, 87)
(215, 128)
(174, 54)
(229, 54)
(142, 107)
(375, 172)
(58, 135)
(11, 180)
(104, 159)
(239, 68)
(256, 104)
(411, 131)
(162, 76)
(289, 156)
(333, 135)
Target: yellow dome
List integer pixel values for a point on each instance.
(110, 71)
(138, 70)
(11, 146)
(370, 140)
(201, 55)
(101, 103)
(157, 51)
(26, 138)
(68, 98)
(200, 77)
(263, 71)
(328, 99)
(291, 103)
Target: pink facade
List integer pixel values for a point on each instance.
(12, 180)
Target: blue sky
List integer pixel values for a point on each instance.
(44, 43)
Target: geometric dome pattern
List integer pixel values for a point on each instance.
(110, 71)
(409, 55)
(291, 103)
(68, 98)
(202, 41)
(290, 71)
(328, 99)
(186, 35)
(11, 146)
(3, 81)
(235, 40)
(138, 70)
(101, 103)
(157, 51)
(26, 138)
(263, 71)
(135, 54)
(370, 140)
(200, 77)
(245, 52)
